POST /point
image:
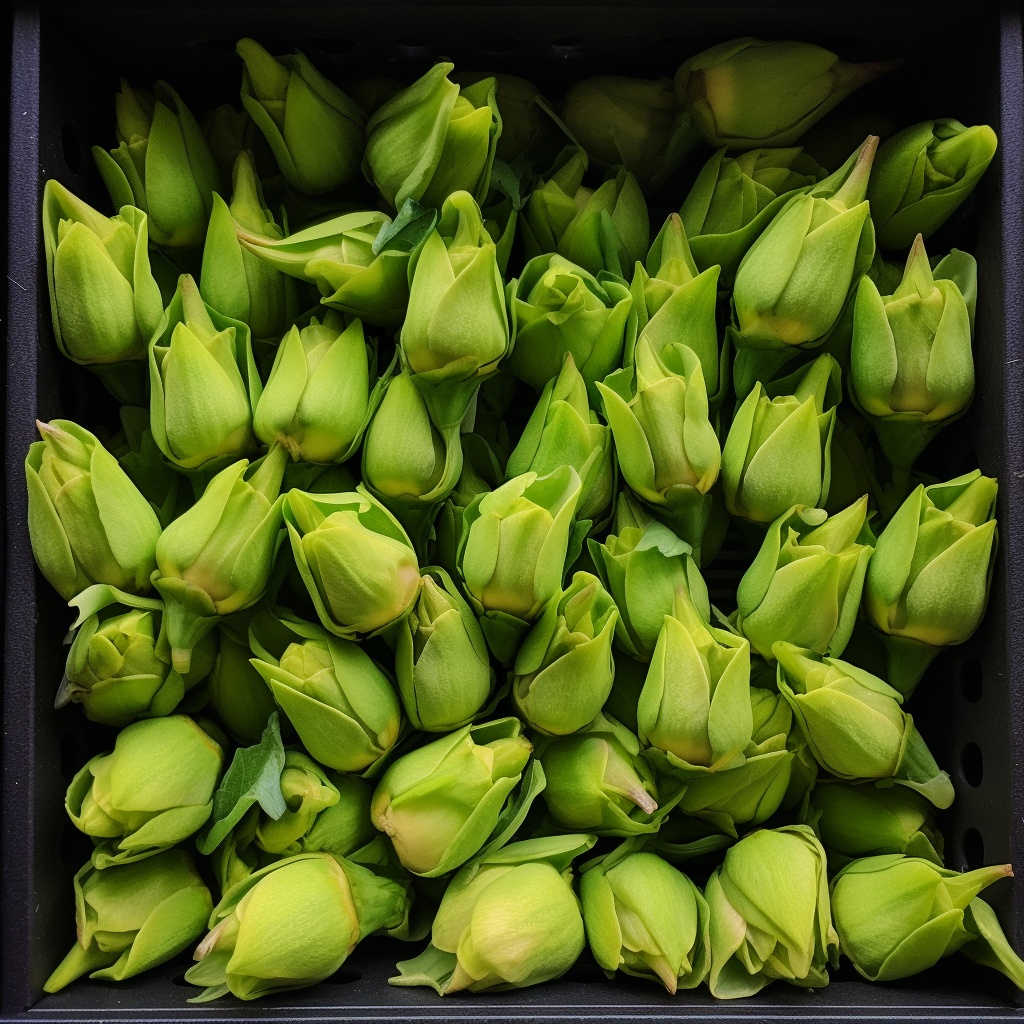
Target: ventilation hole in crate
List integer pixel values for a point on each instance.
(332, 50)
(344, 976)
(972, 764)
(971, 678)
(570, 46)
(416, 46)
(72, 756)
(179, 980)
(974, 849)
(71, 146)
(500, 47)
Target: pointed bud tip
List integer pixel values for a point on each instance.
(181, 660)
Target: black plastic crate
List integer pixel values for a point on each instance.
(961, 61)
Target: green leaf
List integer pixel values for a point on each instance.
(411, 225)
(254, 777)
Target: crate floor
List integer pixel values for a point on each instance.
(955, 990)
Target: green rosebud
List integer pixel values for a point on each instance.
(795, 279)
(676, 304)
(507, 920)
(441, 660)
(104, 301)
(119, 665)
(440, 803)
(642, 567)
(87, 521)
(552, 204)
(355, 559)
(217, 557)
(202, 378)
(854, 725)
(456, 328)
(408, 464)
(234, 281)
(564, 431)
(645, 918)
(695, 704)
(666, 447)
(805, 583)
(433, 139)
(634, 122)
(561, 309)
(770, 916)
(238, 695)
(154, 789)
(864, 821)
(922, 174)
(132, 917)
(339, 701)
(307, 790)
(596, 780)
(899, 915)
(790, 428)
(752, 92)
(927, 585)
(563, 670)
(752, 787)
(911, 365)
(358, 261)
(344, 827)
(735, 198)
(163, 165)
(521, 120)
(513, 550)
(317, 401)
(292, 924)
(314, 130)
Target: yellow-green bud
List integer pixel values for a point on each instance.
(597, 781)
(163, 166)
(441, 660)
(104, 300)
(911, 364)
(154, 789)
(317, 400)
(292, 924)
(804, 585)
(778, 452)
(355, 559)
(560, 310)
(645, 918)
(87, 521)
(433, 139)
(217, 557)
(340, 702)
(440, 803)
(314, 130)
(899, 915)
(752, 92)
(563, 671)
(507, 920)
(131, 917)
(927, 584)
(923, 174)
(770, 916)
